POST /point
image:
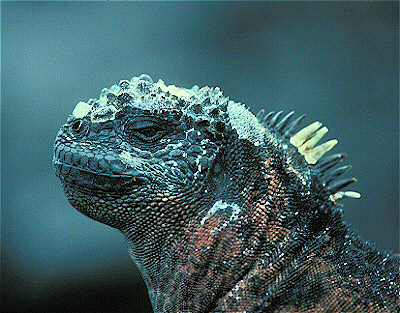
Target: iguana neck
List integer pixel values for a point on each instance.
(189, 270)
(217, 252)
(214, 253)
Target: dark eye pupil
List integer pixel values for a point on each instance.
(148, 131)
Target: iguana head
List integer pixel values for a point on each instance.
(143, 147)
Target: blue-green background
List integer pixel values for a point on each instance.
(336, 61)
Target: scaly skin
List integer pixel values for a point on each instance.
(221, 211)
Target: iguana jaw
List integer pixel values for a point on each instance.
(73, 175)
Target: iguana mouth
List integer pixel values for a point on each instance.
(93, 171)
(84, 177)
(70, 174)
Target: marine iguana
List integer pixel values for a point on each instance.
(224, 211)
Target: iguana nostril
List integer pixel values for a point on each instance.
(77, 127)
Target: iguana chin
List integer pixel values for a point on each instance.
(223, 211)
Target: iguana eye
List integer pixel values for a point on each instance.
(145, 129)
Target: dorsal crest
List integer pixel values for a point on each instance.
(305, 140)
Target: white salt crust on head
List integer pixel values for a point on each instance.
(241, 119)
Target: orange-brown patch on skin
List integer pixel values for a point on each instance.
(242, 298)
(259, 214)
(343, 300)
(317, 265)
(293, 170)
(267, 163)
(199, 238)
(198, 259)
(267, 219)
(337, 298)
(251, 194)
(275, 188)
(274, 232)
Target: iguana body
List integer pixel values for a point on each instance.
(223, 211)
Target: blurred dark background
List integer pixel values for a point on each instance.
(336, 61)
